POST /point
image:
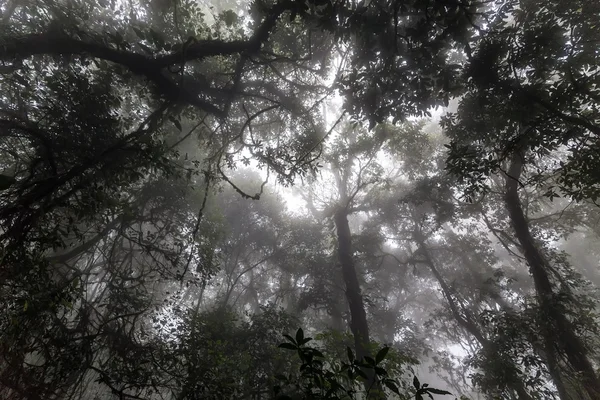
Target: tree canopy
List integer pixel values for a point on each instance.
(299, 199)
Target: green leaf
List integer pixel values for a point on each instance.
(317, 353)
(291, 339)
(175, 122)
(392, 386)
(381, 354)
(416, 383)
(350, 354)
(438, 391)
(299, 336)
(369, 360)
(362, 374)
(288, 346)
(305, 340)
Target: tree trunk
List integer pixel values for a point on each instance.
(358, 316)
(541, 350)
(466, 322)
(558, 332)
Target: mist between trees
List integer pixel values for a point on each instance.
(299, 199)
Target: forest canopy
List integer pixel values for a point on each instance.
(299, 199)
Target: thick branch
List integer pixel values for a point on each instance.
(54, 42)
(209, 48)
(85, 246)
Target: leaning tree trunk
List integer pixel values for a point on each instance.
(515, 383)
(358, 316)
(558, 331)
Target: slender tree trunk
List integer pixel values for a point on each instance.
(358, 316)
(358, 321)
(466, 322)
(558, 331)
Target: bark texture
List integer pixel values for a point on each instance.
(558, 332)
(358, 316)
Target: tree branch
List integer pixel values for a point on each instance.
(55, 42)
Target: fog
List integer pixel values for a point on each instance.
(285, 199)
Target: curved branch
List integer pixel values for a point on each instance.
(55, 42)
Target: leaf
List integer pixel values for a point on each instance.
(416, 383)
(299, 336)
(381, 354)
(438, 391)
(175, 122)
(288, 346)
(21, 80)
(291, 339)
(362, 374)
(369, 361)
(317, 353)
(392, 386)
(305, 340)
(350, 354)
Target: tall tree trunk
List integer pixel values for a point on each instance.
(467, 321)
(558, 332)
(358, 316)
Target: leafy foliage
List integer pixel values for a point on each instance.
(336, 379)
(148, 147)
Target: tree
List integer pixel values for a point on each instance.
(353, 169)
(528, 91)
(132, 218)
